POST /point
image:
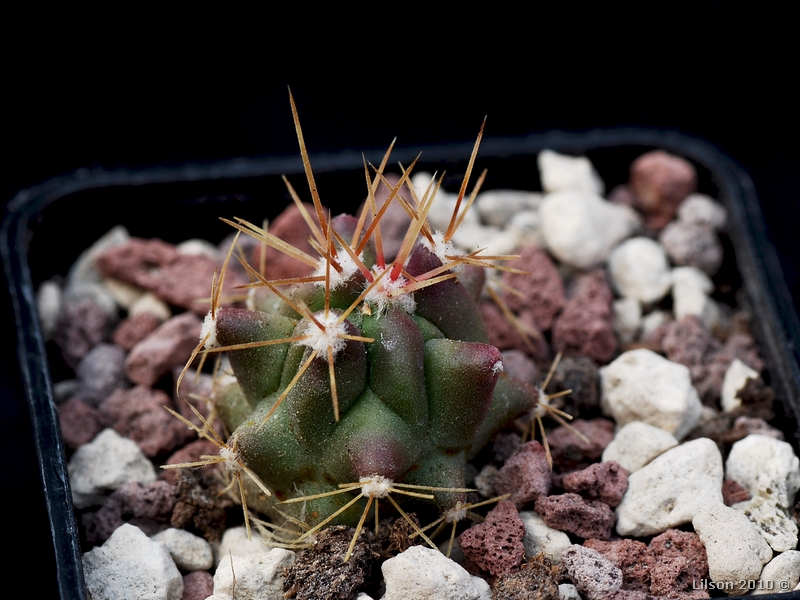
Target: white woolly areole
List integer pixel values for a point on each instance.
(455, 514)
(209, 329)
(327, 337)
(443, 249)
(375, 486)
(390, 292)
(497, 367)
(346, 262)
(231, 459)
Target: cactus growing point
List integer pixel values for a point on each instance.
(363, 374)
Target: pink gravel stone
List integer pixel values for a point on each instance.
(733, 492)
(571, 452)
(680, 561)
(526, 475)
(139, 414)
(632, 557)
(496, 544)
(79, 422)
(585, 326)
(291, 228)
(133, 330)
(659, 182)
(197, 585)
(541, 290)
(186, 282)
(589, 519)
(147, 505)
(606, 481)
(81, 326)
(191, 452)
(137, 261)
(168, 346)
(504, 336)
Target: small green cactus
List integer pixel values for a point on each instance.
(364, 378)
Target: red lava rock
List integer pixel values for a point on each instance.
(579, 375)
(733, 492)
(660, 182)
(679, 560)
(541, 292)
(623, 195)
(589, 519)
(689, 343)
(606, 481)
(137, 261)
(633, 558)
(185, 282)
(101, 372)
(518, 365)
(504, 336)
(291, 228)
(496, 544)
(79, 422)
(571, 452)
(168, 346)
(191, 452)
(139, 414)
(585, 326)
(525, 475)
(81, 326)
(147, 505)
(134, 329)
(197, 585)
(693, 245)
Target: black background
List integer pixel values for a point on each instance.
(99, 98)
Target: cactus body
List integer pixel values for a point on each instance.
(414, 403)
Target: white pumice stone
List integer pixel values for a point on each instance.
(257, 576)
(593, 574)
(702, 210)
(639, 269)
(567, 591)
(425, 573)
(774, 524)
(539, 537)
(498, 207)
(131, 566)
(580, 228)
(234, 541)
(766, 467)
(198, 247)
(49, 302)
(526, 226)
(473, 236)
(652, 321)
(640, 385)
(627, 319)
(563, 172)
(735, 379)
(190, 552)
(83, 270)
(690, 295)
(734, 547)
(636, 444)
(105, 464)
(781, 574)
(442, 208)
(150, 303)
(124, 294)
(653, 502)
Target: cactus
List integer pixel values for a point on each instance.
(365, 378)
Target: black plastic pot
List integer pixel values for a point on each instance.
(49, 225)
